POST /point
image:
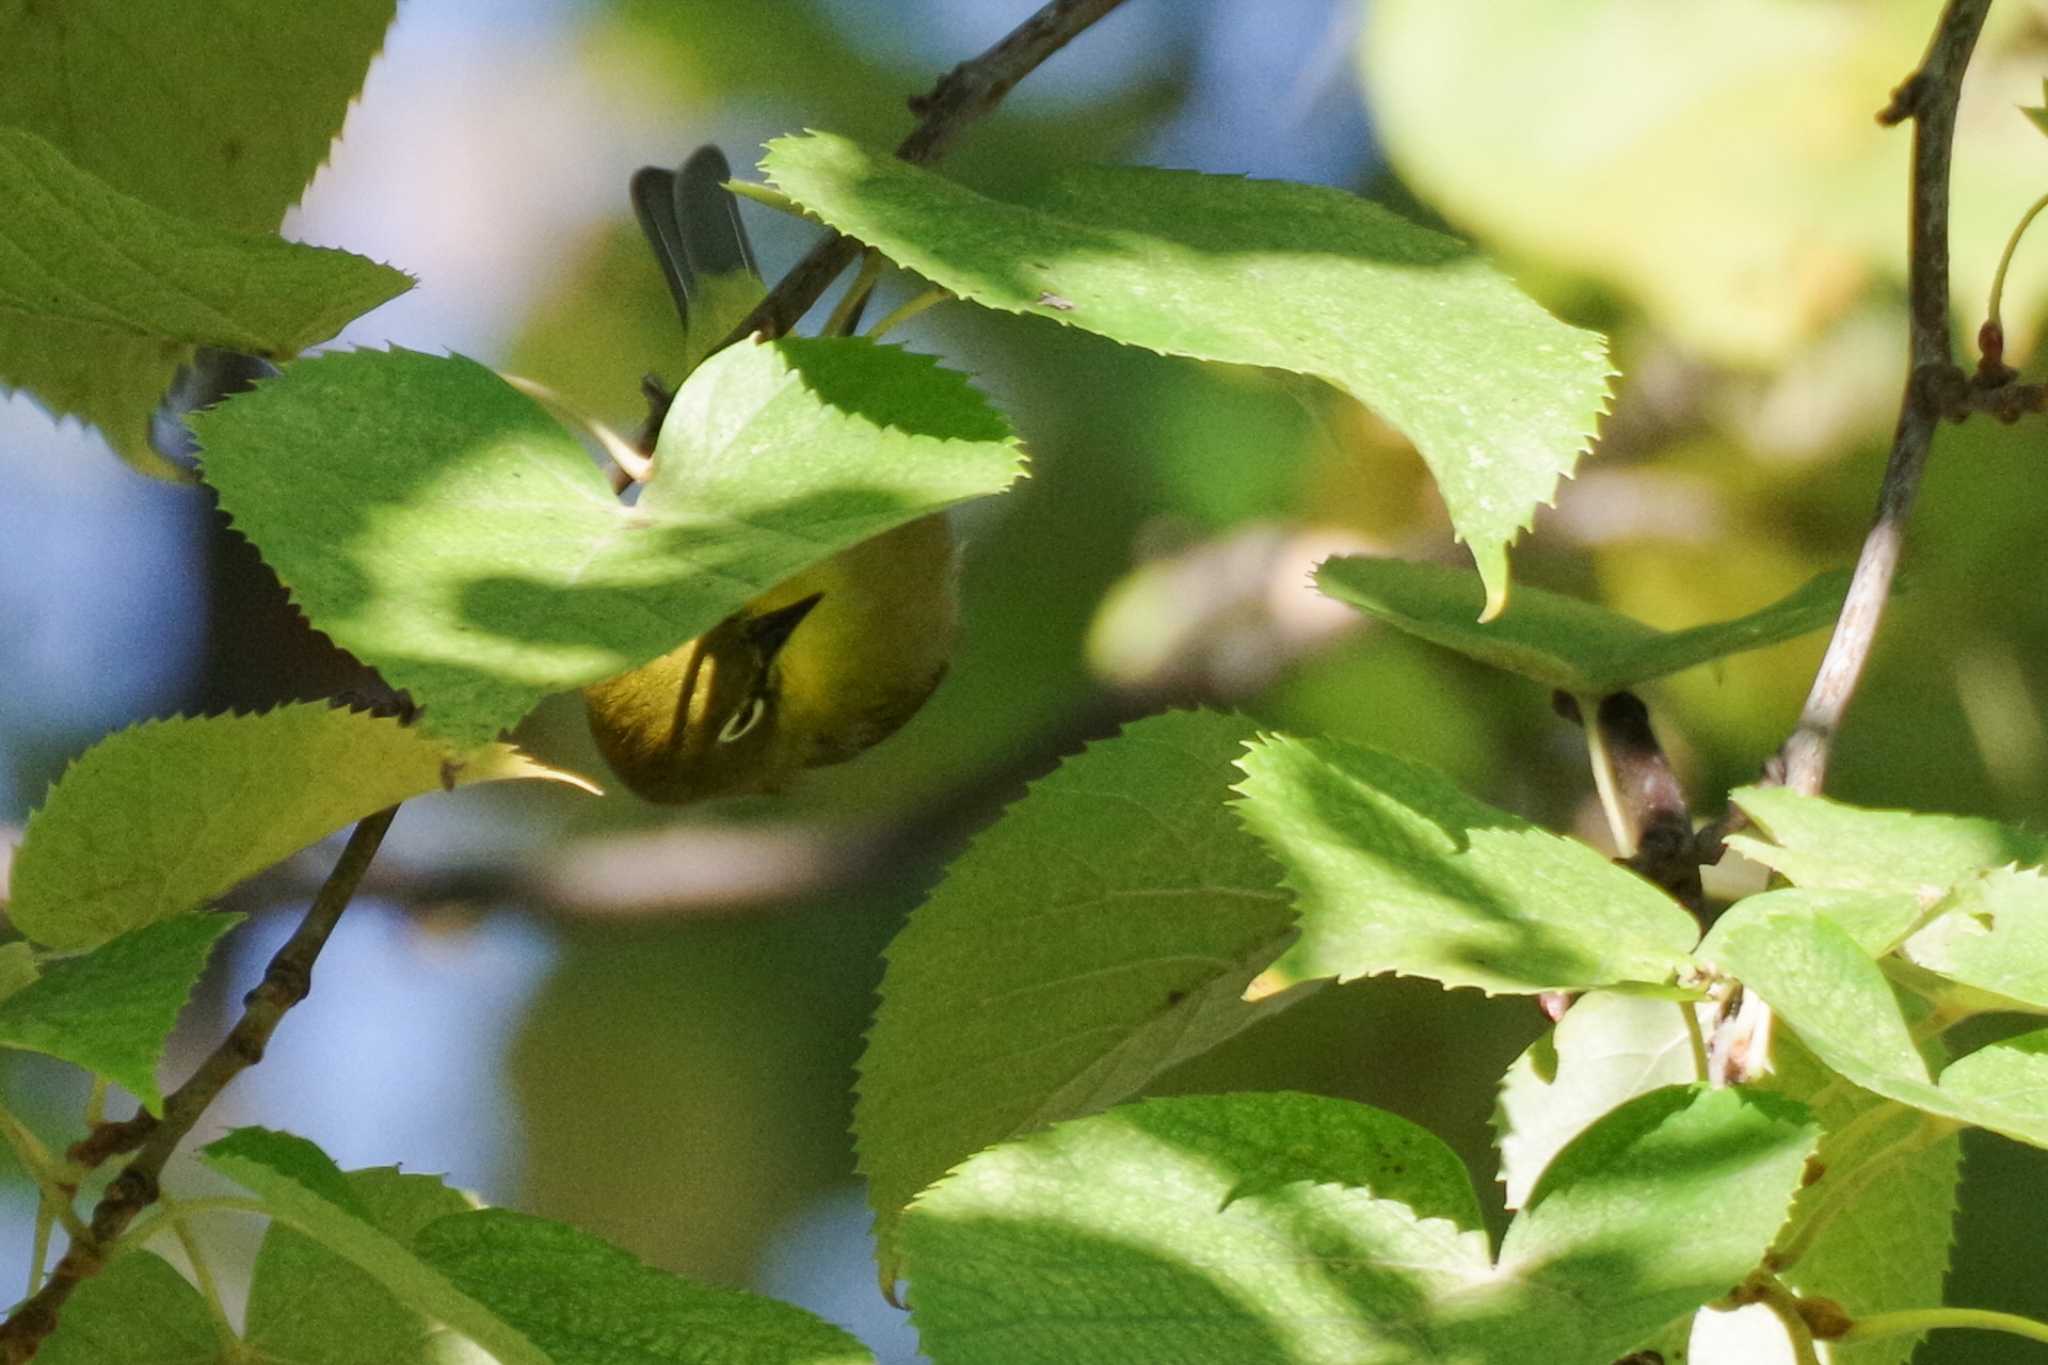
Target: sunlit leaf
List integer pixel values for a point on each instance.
(1498, 397)
(1819, 844)
(455, 536)
(1396, 870)
(1828, 991)
(1608, 1049)
(155, 820)
(1160, 1232)
(1991, 934)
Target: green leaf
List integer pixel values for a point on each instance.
(585, 1302)
(111, 1010)
(311, 1306)
(156, 819)
(1107, 927)
(305, 1190)
(219, 113)
(17, 967)
(1164, 1231)
(1560, 641)
(1676, 1194)
(81, 254)
(137, 1311)
(1992, 935)
(1608, 1049)
(1828, 991)
(1395, 870)
(452, 534)
(1815, 842)
(1874, 920)
(156, 101)
(102, 294)
(1498, 397)
(1888, 1246)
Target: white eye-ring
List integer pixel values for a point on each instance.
(743, 720)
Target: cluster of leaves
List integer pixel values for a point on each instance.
(1126, 915)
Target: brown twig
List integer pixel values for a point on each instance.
(964, 94)
(1934, 387)
(286, 981)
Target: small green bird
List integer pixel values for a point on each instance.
(816, 669)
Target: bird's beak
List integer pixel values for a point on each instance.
(771, 630)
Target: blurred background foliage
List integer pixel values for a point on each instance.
(645, 1021)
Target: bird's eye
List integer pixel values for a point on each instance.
(743, 720)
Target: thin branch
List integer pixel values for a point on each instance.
(1933, 386)
(964, 94)
(286, 981)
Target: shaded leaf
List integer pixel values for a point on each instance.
(1107, 927)
(156, 819)
(1608, 1049)
(1498, 397)
(305, 1189)
(156, 102)
(1560, 641)
(1395, 870)
(1207, 1229)
(313, 1307)
(585, 1302)
(138, 1311)
(80, 253)
(456, 537)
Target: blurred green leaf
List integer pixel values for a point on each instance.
(1395, 870)
(1720, 167)
(1560, 641)
(1157, 1232)
(112, 1010)
(1105, 928)
(773, 457)
(305, 1189)
(155, 819)
(588, 1303)
(1499, 398)
(137, 1311)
